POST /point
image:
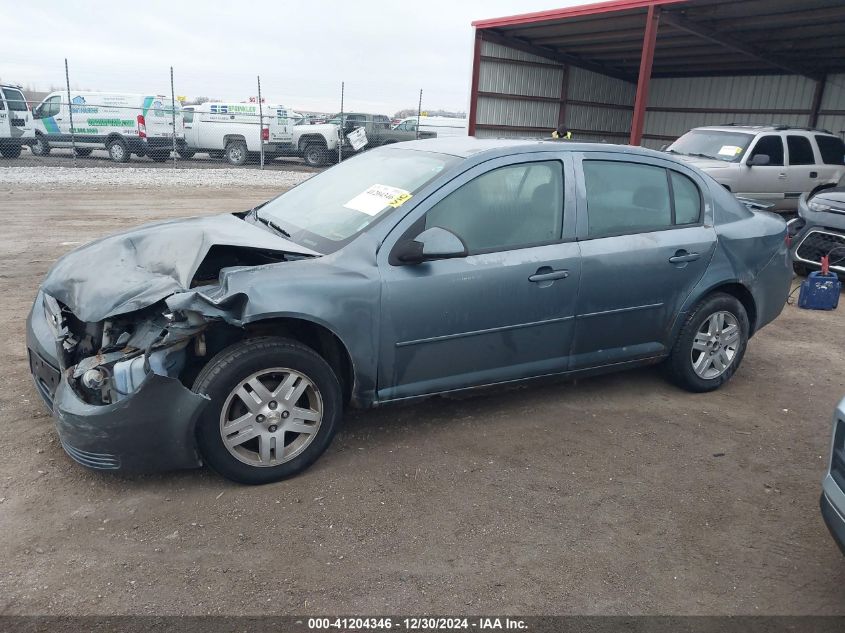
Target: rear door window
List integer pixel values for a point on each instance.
(772, 146)
(15, 99)
(800, 150)
(832, 149)
(627, 197)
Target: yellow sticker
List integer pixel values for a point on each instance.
(399, 200)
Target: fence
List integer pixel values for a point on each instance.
(81, 128)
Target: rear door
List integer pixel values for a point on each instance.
(646, 235)
(159, 116)
(765, 182)
(803, 172)
(831, 158)
(17, 122)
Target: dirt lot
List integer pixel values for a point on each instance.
(617, 495)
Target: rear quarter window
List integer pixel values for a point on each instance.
(832, 149)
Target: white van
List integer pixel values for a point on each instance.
(233, 130)
(440, 125)
(123, 124)
(15, 121)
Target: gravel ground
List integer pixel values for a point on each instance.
(614, 495)
(60, 178)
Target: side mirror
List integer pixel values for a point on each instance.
(759, 160)
(433, 243)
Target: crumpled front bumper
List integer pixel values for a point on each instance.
(151, 429)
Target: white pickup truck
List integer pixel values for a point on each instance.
(290, 135)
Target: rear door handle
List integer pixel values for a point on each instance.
(548, 275)
(782, 176)
(683, 256)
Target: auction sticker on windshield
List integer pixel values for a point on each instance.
(375, 199)
(730, 150)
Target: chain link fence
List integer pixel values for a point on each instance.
(71, 127)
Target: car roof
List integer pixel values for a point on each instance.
(757, 129)
(466, 146)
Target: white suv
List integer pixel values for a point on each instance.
(769, 163)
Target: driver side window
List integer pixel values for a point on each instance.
(509, 207)
(772, 146)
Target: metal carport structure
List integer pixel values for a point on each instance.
(646, 71)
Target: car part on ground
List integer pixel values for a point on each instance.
(357, 286)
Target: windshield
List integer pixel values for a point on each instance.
(720, 145)
(330, 208)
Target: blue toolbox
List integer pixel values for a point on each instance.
(820, 291)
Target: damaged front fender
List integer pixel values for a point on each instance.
(152, 429)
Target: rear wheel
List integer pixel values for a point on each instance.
(274, 407)
(315, 155)
(10, 151)
(40, 147)
(118, 151)
(236, 153)
(83, 152)
(710, 345)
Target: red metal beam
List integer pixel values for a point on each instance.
(571, 12)
(473, 94)
(644, 78)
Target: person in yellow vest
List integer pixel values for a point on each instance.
(562, 134)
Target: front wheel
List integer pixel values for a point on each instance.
(40, 147)
(274, 407)
(710, 345)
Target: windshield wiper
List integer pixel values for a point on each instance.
(699, 155)
(270, 223)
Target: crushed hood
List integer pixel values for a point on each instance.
(135, 269)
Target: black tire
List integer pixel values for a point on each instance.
(40, 147)
(10, 151)
(801, 269)
(118, 150)
(187, 154)
(680, 365)
(236, 153)
(159, 156)
(83, 152)
(315, 155)
(227, 369)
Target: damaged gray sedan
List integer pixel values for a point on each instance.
(427, 267)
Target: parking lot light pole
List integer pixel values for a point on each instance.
(419, 113)
(70, 115)
(340, 131)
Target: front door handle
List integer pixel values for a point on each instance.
(681, 257)
(548, 274)
(781, 176)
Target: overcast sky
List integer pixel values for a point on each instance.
(384, 51)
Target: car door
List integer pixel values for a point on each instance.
(504, 311)
(5, 125)
(49, 115)
(646, 235)
(188, 115)
(765, 182)
(802, 174)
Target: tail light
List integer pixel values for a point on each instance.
(265, 134)
(142, 126)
